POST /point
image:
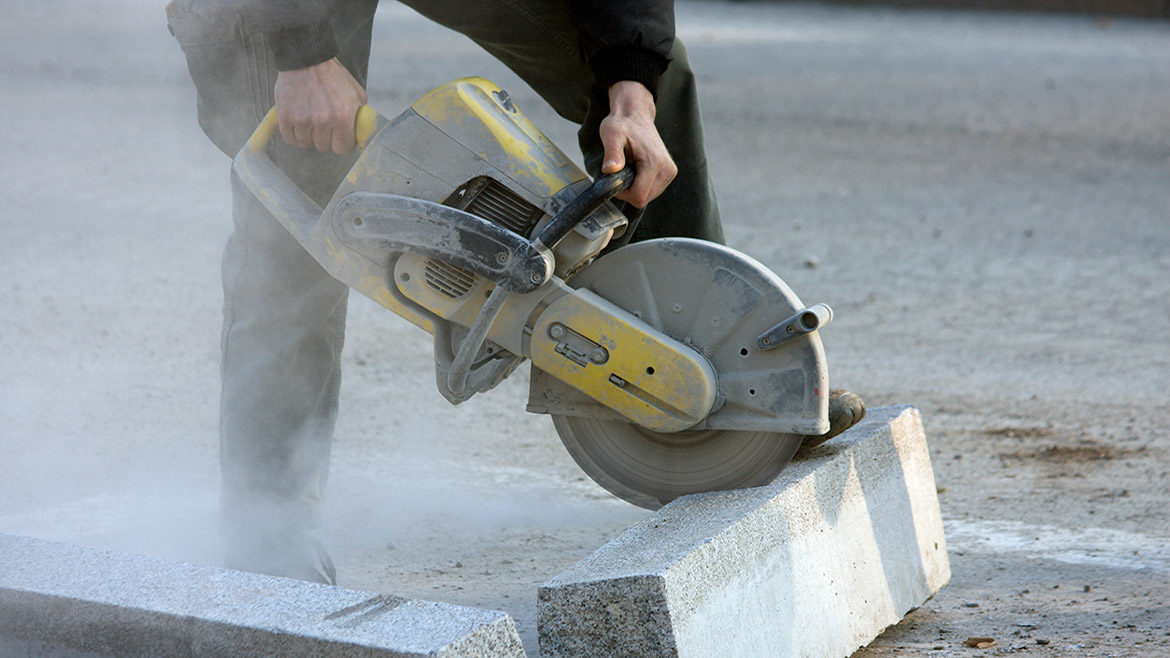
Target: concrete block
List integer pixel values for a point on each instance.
(842, 545)
(65, 600)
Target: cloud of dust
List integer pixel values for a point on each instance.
(111, 398)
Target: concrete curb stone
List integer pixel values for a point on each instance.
(66, 600)
(842, 545)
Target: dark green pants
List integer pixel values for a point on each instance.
(284, 317)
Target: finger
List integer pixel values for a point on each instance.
(344, 137)
(342, 144)
(655, 173)
(323, 137)
(304, 134)
(614, 142)
(287, 130)
(638, 193)
(666, 177)
(641, 192)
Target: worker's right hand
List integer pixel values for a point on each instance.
(317, 105)
(629, 135)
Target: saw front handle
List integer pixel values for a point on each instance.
(366, 124)
(583, 205)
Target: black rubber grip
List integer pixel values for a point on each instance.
(585, 204)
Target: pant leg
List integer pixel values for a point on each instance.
(536, 39)
(284, 316)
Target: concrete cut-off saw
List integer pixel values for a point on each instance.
(669, 366)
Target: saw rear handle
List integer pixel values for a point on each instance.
(366, 124)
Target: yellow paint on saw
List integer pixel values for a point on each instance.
(476, 111)
(645, 375)
(366, 277)
(365, 125)
(315, 235)
(264, 132)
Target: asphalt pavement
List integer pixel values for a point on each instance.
(983, 198)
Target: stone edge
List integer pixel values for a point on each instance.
(57, 595)
(639, 561)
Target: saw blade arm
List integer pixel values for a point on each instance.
(715, 301)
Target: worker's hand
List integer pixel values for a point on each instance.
(317, 106)
(629, 132)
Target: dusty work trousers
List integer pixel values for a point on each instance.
(284, 316)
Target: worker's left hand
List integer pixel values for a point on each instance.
(629, 132)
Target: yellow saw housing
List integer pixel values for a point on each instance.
(442, 219)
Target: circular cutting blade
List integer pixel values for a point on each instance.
(716, 300)
(650, 469)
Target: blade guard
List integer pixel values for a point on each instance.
(717, 301)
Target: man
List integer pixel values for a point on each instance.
(612, 66)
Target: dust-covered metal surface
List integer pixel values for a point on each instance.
(379, 226)
(649, 468)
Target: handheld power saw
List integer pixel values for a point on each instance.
(669, 366)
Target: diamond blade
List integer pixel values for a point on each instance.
(649, 469)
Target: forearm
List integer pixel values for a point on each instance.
(299, 32)
(627, 40)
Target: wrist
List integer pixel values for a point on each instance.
(630, 98)
(309, 74)
(301, 46)
(629, 63)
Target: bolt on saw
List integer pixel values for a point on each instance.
(669, 366)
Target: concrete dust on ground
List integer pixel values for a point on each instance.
(983, 199)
